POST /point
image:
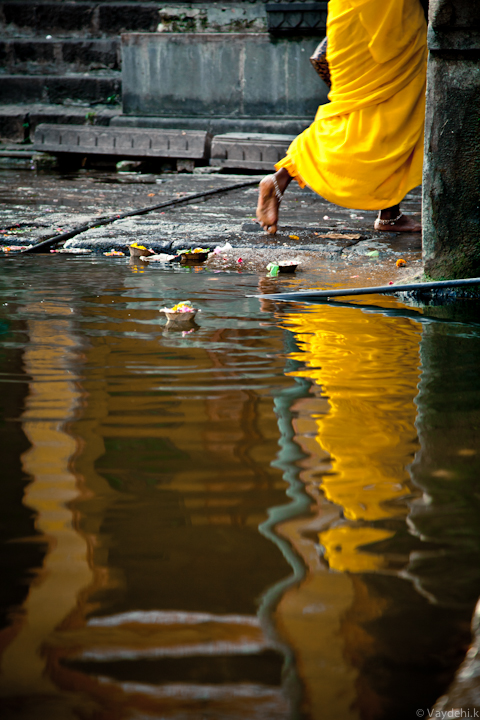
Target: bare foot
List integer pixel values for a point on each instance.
(268, 205)
(404, 223)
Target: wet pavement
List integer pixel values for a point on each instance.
(35, 205)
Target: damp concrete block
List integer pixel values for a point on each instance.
(228, 75)
(122, 142)
(251, 151)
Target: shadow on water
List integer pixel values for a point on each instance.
(273, 516)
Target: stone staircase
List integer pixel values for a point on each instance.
(60, 60)
(61, 65)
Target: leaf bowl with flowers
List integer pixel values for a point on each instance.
(182, 312)
(194, 257)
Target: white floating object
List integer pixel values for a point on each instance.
(161, 257)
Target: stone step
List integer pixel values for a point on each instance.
(98, 88)
(151, 143)
(77, 18)
(69, 134)
(14, 117)
(218, 125)
(20, 121)
(57, 56)
(249, 151)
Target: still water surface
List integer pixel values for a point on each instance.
(275, 515)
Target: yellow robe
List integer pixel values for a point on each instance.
(364, 149)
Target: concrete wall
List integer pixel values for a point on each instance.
(220, 75)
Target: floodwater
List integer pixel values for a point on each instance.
(271, 514)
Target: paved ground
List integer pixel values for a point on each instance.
(33, 205)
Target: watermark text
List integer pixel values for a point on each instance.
(449, 714)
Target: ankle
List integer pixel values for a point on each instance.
(283, 179)
(390, 213)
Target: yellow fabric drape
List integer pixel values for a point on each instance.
(364, 149)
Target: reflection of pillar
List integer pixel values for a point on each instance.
(451, 182)
(447, 469)
(447, 516)
(51, 403)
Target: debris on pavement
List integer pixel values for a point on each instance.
(14, 248)
(37, 205)
(72, 251)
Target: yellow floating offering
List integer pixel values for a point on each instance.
(181, 312)
(137, 250)
(193, 257)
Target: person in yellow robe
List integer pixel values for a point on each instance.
(364, 149)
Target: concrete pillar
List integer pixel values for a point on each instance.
(451, 182)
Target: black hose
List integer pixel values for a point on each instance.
(54, 239)
(312, 295)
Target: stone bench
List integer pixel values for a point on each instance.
(138, 143)
(251, 151)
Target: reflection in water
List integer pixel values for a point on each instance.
(447, 470)
(361, 634)
(367, 368)
(177, 437)
(226, 519)
(52, 400)
(189, 475)
(357, 444)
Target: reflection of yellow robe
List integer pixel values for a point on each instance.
(367, 367)
(364, 149)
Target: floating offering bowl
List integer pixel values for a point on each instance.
(287, 267)
(139, 250)
(180, 318)
(194, 257)
(183, 312)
